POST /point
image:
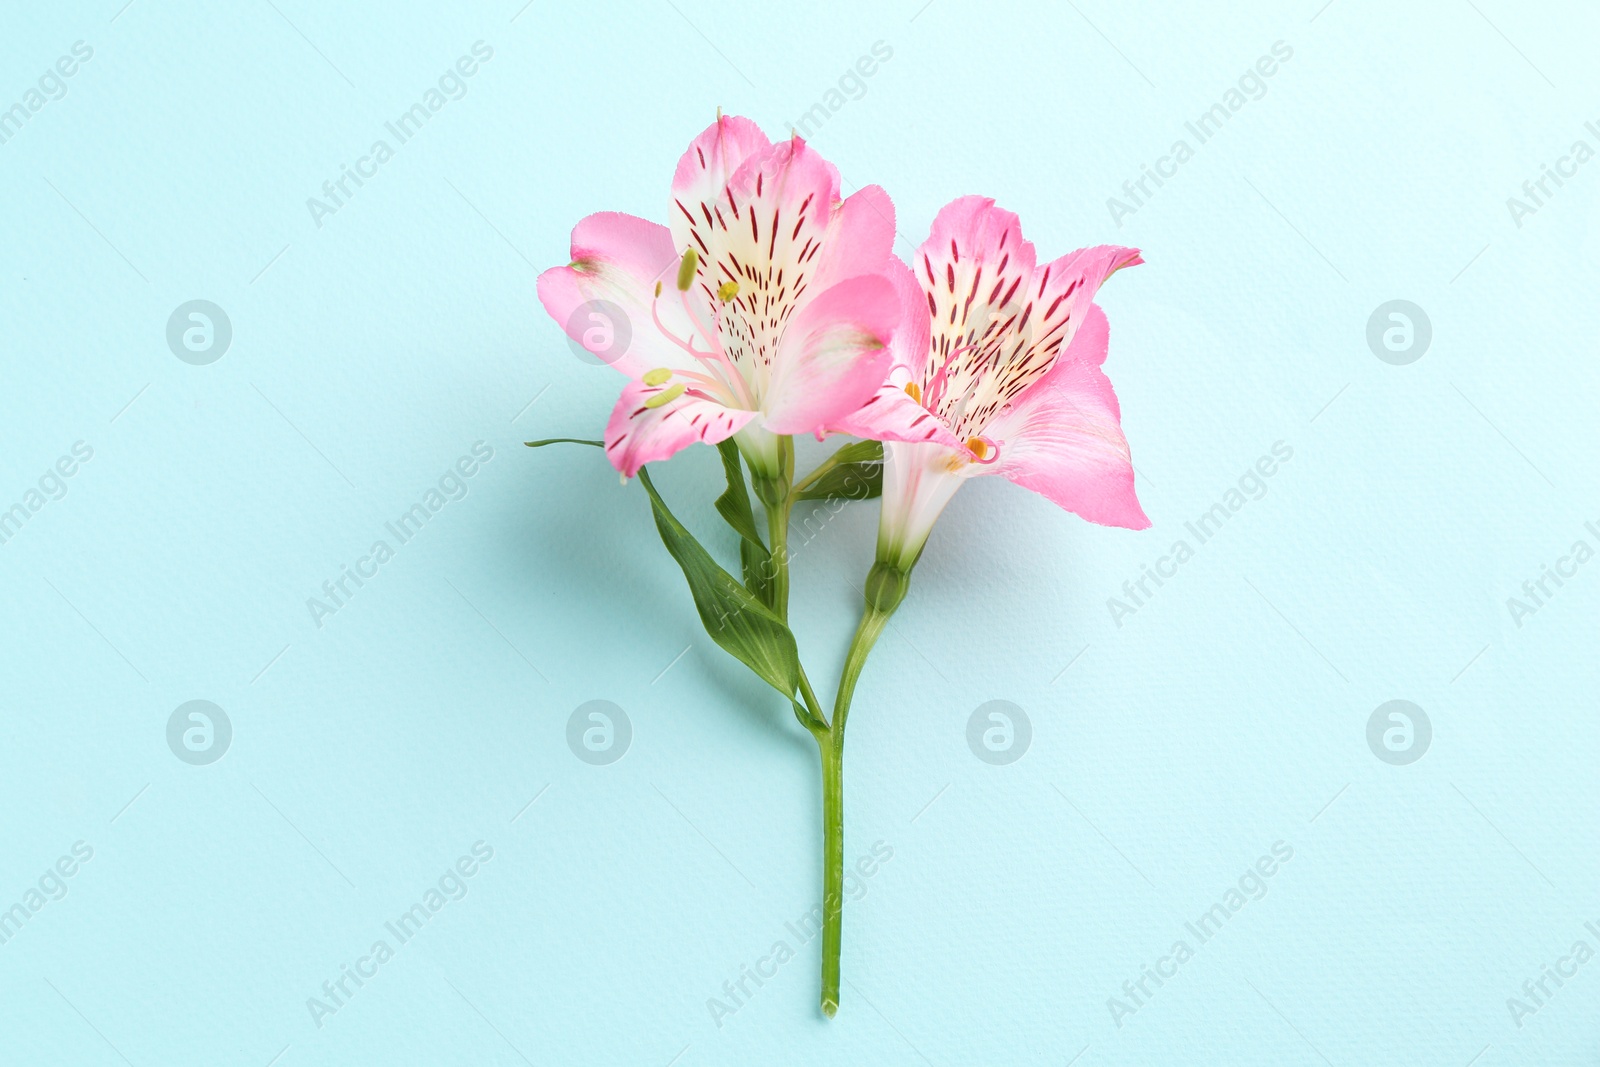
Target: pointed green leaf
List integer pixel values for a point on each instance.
(756, 565)
(855, 472)
(859, 451)
(734, 504)
(741, 624)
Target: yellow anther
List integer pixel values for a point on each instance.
(658, 288)
(691, 260)
(727, 291)
(657, 376)
(978, 447)
(914, 391)
(666, 396)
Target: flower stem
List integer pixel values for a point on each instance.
(778, 536)
(832, 870)
(831, 745)
(777, 496)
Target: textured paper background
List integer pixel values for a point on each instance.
(1227, 714)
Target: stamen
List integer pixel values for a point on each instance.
(657, 376)
(984, 449)
(691, 260)
(727, 291)
(716, 360)
(734, 378)
(941, 379)
(666, 396)
(914, 391)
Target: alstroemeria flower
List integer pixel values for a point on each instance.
(764, 309)
(1008, 364)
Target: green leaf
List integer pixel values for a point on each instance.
(563, 441)
(734, 503)
(734, 506)
(855, 472)
(859, 451)
(756, 565)
(745, 627)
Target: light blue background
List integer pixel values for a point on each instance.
(1227, 714)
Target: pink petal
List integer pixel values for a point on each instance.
(1060, 296)
(704, 169)
(1063, 437)
(910, 345)
(616, 258)
(860, 239)
(638, 434)
(972, 228)
(974, 268)
(764, 236)
(890, 414)
(1041, 323)
(834, 356)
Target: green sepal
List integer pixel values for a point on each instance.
(733, 617)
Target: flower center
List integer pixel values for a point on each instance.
(979, 449)
(723, 384)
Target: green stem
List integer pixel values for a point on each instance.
(831, 745)
(777, 496)
(832, 870)
(778, 535)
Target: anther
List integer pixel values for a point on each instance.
(666, 396)
(691, 260)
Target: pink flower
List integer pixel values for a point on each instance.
(764, 309)
(1006, 359)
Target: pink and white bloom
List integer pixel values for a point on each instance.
(765, 308)
(1005, 357)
